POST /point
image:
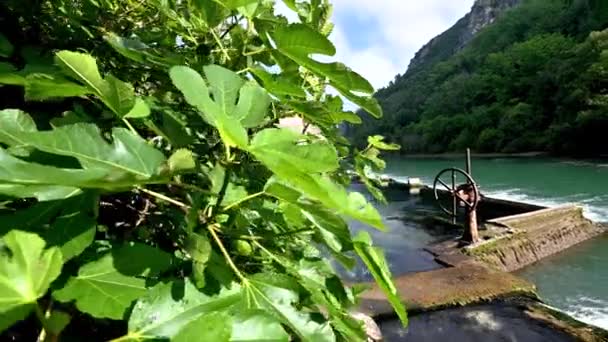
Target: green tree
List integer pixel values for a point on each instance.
(538, 70)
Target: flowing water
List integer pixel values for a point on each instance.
(575, 281)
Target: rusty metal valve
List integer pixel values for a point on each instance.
(466, 193)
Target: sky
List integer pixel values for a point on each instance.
(378, 38)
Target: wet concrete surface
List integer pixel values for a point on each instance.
(480, 323)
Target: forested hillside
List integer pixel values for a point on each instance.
(534, 80)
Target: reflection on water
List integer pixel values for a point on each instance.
(487, 323)
(403, 241)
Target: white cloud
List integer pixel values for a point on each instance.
(398, 29)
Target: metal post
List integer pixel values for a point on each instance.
(471, 230)
(469, 161)
(454, 200)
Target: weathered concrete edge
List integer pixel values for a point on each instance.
(382, 309)
(508, 220)
(535, 236)
(469, 282)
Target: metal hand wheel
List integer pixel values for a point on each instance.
(466, 192)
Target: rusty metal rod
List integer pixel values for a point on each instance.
(469, 162)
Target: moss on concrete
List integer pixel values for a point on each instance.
(493, 244)
(454, 286)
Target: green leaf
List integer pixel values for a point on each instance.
(278, 84)
(215, 327)
(196, 92)
(105, 288)
(327, 291)
(368, 103)
(6, 48)
(335, 106)
(130, 48)
(257, 325)
(127, 161)
(181, 160)
(376, 263)
(252, 106)
(6, 68)
(10, 77)
(286, 149)
(233, 194)
(210, 11)
(171, 125)
(377, 142)
(57, 322)
(234, 4)
(291, 4)
(137, 51)
(223, 112)
(299, 41)
(115, 94)
(39, 192)
(26, 272)
(128, 157)
(330, 194)
(321, 115)
(68, 224)
(346, 116)
(277, 295)
(22, 179)
(169, 307)
(15, 120)
(40, 87)
(139, 110)
(371, 157)
(332, 229)
(370, 181)
(250, 10)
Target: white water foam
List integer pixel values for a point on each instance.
(591, 211)
(589, 310)
(588, 315)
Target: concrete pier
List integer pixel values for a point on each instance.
(475, 281)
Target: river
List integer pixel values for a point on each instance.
(575, 281)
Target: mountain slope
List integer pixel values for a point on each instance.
(536, 78)
(482, 14)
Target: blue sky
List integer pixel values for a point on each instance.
(378, 38)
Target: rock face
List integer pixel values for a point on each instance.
(482, 14)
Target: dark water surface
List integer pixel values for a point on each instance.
(480, 323)
(575, 281)
(404, 239)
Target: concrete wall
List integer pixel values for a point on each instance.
(488, 208)
(522, 233)
(535, 235)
